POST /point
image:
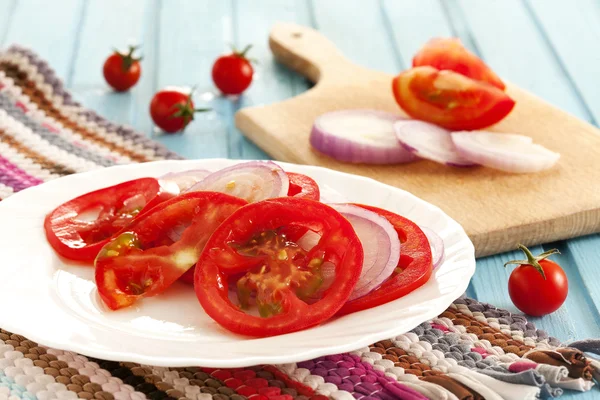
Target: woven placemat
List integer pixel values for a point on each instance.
(471, 351)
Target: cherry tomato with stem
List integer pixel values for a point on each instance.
(122, 70)
(232, 73)
(172, 110)
(538, 286)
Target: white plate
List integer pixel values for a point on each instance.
(54, 302)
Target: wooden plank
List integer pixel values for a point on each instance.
(122, 24)
(61, 23)
(515, 50)
(573, 31)
(191, 35)
(412, 23)
(272, 82)
(6, 11)
(358, 34)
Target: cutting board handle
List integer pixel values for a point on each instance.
(309, 53)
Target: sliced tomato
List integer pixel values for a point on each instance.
(159, 246)
(413, 271)
(303, 186)
(449, 53)
(80, 227)
(449, 99)
(293, 288)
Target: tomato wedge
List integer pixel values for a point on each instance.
(302, 186)
(449, 99)
(293, 288)
(449, 53)
(109, 210)
(414, 268)
(160, 246)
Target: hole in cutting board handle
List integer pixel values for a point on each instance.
(297, 35)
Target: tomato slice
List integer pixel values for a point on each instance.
(449, 99)
(293, 288)
(160, 246)
(449, 53)
(413, 271)
(109, 211)
(302, 186)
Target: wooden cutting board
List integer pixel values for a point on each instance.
(496, 209)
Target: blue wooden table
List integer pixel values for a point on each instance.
(549, 47)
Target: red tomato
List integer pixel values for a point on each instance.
(232, 73)
(449, 53)
(112, 209)
(122, 71)
(173, 110)
(160, 246)
(449, 99)
(302, 186)
(413, 271)
(537, 286)
(293, 288)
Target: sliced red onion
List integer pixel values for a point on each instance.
(504, 151)
(252, 181)
(429, 141)
(359, 136)
(437, 246)
(186, 179)
(380, 243)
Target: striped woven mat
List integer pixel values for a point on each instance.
(471, 351)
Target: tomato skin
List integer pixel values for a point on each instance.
(535, 296)
(450, 54)
(172, 110)
(145, 259)
(118, 75)
(415, 261)
(302, 186)
(219, 261)
(65, 235)
(232, 74)
(449, 99)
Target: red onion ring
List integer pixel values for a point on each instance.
(507, 152)
(429, 141)
(186, 179)
(252, 181)
(359, 136)
(437, 246)
(381, 247)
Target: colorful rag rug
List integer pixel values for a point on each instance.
(471, 351)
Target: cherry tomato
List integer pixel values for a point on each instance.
(159, 246)
(173, 110)
(122, 71)
(413, 271)
(302, 186)
(537, 286)
(293, 288)
(109, 211)
(232, 73)
(449, 53)
(449, 99)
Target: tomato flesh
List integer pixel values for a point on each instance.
(534, 295)
(449, 99)
(159, 247)
(450, 54)
(117, 206)
(303, 186)
(282, 277)
(414, 268)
